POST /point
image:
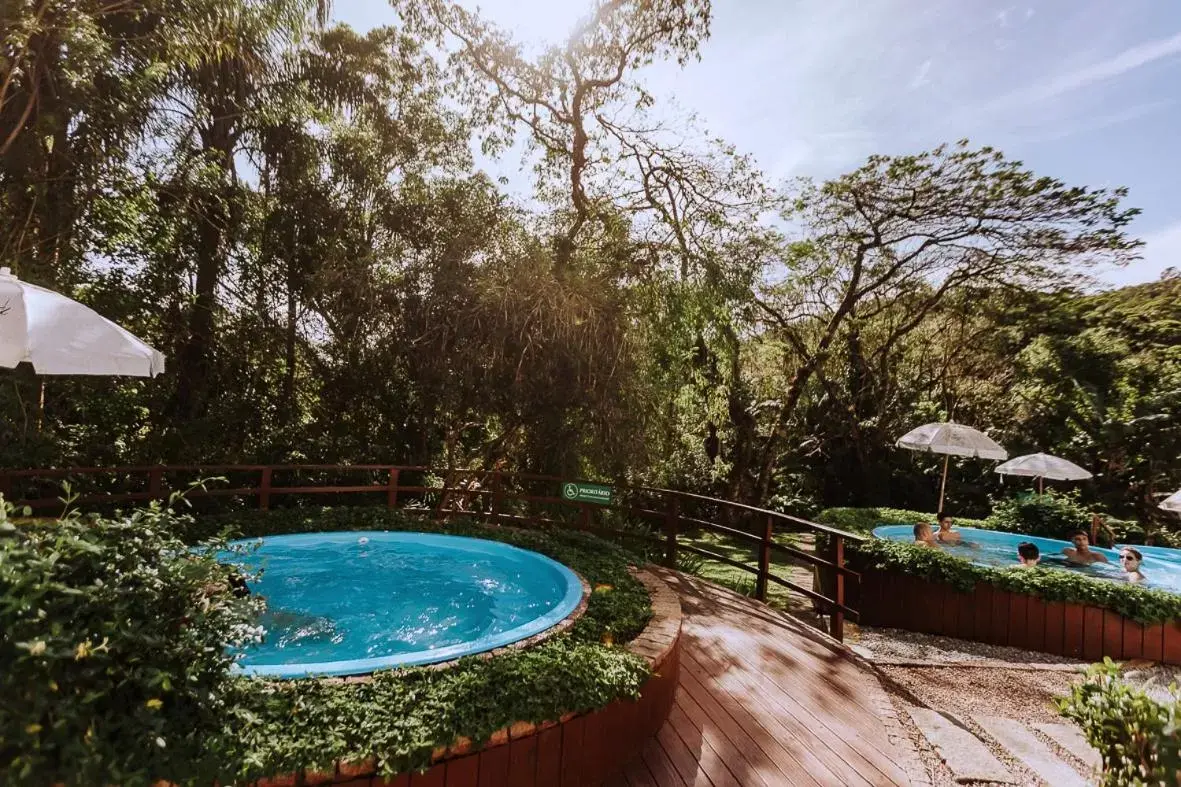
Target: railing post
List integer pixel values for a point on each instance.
(764, 559)
(497, 496)
(264, 490)
(155, 483)
(838, 614)
(584, 516)
(391, 498)
(671, 523)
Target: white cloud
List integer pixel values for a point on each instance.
(920, 77)
(1128, 60)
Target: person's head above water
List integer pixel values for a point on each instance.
(1028, 553)
(922, 532)
(1081, 541)
(1129, 559)
(945, 520)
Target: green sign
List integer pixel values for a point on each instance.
(587, 493)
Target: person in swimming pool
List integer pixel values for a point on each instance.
(923, 537)
(1129, 560)
(1081, 554)
(1028, 554)
(946, 534)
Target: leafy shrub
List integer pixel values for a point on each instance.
(864, 520)
(1049, 515)
(113, 655)
(1132, 601)
(1138, 737)
(1052, 519)
(115, 666)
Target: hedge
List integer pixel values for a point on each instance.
(1052, 515)
(1132, 601)
(254, 727)
(864, 520)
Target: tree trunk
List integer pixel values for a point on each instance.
(288, 405)
(196, 357)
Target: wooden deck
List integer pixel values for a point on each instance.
(764, 700)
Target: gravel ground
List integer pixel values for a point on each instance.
(1015, 694)
(897, 645)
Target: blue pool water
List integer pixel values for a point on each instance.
(1167, 554)
(998, 549)
(352, 602)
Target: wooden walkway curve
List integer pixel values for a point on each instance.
(765, 700)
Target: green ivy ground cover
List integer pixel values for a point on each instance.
(121, 690)
(400, 717)
(1132, 601)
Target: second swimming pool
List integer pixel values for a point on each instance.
(997, 548)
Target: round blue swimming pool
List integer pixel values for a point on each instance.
(353, 602)
(999, 549)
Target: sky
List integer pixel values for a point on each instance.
(1083, 90)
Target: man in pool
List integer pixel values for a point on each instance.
(923, 537)
(1028, 554)
(1081, 553)
(1129, 560)
(946, 535)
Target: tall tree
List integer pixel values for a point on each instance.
(920, 228)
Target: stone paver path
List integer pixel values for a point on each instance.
(1019, 741)
(1070, 738)
(970, 756)
(967, 757)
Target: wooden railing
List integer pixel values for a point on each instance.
(495, 496)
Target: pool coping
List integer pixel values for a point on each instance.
(628, 724)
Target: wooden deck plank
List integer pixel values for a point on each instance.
(742, 756)
(864, 743)
(764, 734)
(702, 751)
(637, 774)
(663, 772)
(769, 700)
(689, 764)
(786, 727)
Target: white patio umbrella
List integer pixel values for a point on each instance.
(58, 335)
(1172, 502)
(951, 440)
(1043, 466)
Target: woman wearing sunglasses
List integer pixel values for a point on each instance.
(1129, 560)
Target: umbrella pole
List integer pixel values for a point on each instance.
(1040, 482)
(41, 408)
(942, 484)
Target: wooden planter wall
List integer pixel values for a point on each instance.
(999, 617)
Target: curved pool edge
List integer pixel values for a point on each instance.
(622, 726)
(571, 606)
